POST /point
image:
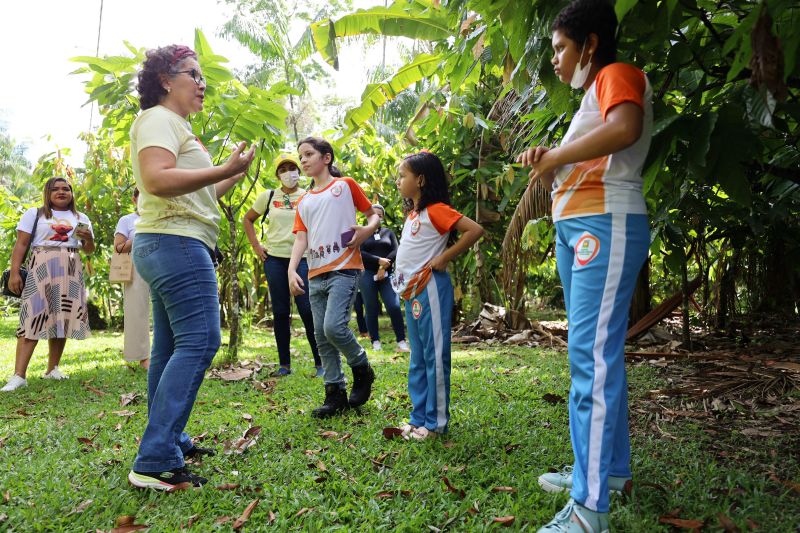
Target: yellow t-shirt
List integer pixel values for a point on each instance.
(279, 236)
(191, 215)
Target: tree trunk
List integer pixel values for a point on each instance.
(234, 316)
(687, 338)
(641, 302)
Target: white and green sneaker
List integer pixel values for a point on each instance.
(575, 518)
(562, 481)
(168, 481)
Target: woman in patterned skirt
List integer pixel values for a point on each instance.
(53, 294)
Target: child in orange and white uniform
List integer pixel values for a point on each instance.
(325, 228)
(422, 281)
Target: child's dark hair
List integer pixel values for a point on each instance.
(430, 167)
(324, 147)
(582, 17)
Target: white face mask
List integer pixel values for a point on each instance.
(581, 74)
(290, 178)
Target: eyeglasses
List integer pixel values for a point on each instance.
(196, 76)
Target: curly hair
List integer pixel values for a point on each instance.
(323, 147)
(160, 62)
(429, 166)
(583, 17)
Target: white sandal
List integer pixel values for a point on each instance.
(407, 430)
(422, 433)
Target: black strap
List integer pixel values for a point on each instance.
(33, 234)
(264, 216)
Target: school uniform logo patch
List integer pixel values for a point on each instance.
(415, 225)
(336, 190)
(416, 309)
(586, 249)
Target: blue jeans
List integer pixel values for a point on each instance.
(370, 290)
(186, 336)
(332, 296)
(276, 270)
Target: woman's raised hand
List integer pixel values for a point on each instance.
(239, 161)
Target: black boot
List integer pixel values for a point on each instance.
(335, 402)
(363, 376)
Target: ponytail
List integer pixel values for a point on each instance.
(335, 172)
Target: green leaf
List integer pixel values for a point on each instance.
(623, 6)
(401, 19)
(377, 94)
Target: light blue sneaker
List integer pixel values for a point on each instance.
(562, 481)
(575, 518)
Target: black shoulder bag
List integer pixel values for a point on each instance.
(23, 272)
(264, 216)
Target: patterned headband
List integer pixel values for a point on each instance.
(181, 52)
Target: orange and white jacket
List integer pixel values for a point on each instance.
(326, 216)
(612, 183)
(424, 237)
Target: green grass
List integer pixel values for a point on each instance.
(502, 434)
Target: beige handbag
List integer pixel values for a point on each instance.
(121, 268)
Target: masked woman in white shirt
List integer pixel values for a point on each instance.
(279, 207)
(53, 293)
(135, 294)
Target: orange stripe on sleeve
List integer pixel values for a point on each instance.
(618, 83)
(360, 199)
(443, 217)
(298, 223)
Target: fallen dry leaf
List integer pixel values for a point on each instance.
(247, 416)
(244, 442)
(794, 486)
(459, 492)
(328, 434)
(82, 506)
(552, 398)
(392, 433)
(271, 518)
(727, 524)
(504, 489)
(504, 520)
(6, 496)
(190, 523)
(237, 525)
(228, 486)
(95, 390)
(680, 522)
(124, 412)
(302, 511)
(128, 398)
(223, 520)
(235, 374)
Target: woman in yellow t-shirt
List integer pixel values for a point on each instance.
(175, 236)
(279, 206)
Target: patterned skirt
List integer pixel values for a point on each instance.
(54, 298)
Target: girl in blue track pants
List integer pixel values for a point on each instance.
(602, 239)
(422, 281)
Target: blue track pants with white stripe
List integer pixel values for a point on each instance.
(429, 316)
(599, 258)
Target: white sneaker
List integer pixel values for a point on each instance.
(402, 346)
(14, 383)
(376, 345)
(55, 374)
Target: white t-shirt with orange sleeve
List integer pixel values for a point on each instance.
(327, 216)
(424, 237)
(612, 183)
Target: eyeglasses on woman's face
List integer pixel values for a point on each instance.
(195, 74)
